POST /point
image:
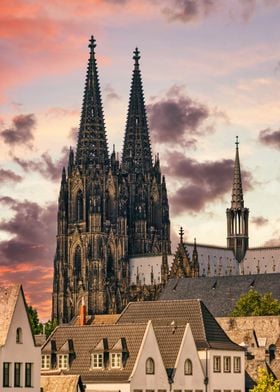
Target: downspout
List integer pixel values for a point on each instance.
(206, 379)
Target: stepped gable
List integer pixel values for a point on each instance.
(220, 293)
(206, 331)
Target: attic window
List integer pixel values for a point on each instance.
(19, 336)
(116, 360)
(63, 361)
(150, 366)
(97, 361)
(188, 367)
(46, 362)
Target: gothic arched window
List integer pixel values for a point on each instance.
(188, 367)
(80, 206)
(150, 366)
(77, 262)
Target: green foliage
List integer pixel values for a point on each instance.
(50, 325)
(266, 382)
(37, 326)
(34, 320)
(255, 304)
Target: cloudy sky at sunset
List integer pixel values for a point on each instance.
(210, 70)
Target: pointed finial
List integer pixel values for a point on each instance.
(194, 244)
(136, 57)
(113, 148)
(236, 142)
(181, 234)
(92, 44)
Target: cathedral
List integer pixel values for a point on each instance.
(109, 212)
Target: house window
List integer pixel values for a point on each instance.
(216, 364)
(227, 364)
(63, 361)
(237, 364)
(188, 390)
(46, 362)
(188, 367)
(97, 361)
(19, 335)
(28, 374)
(116, 360)
(6, 374)
(150, 366)
(17, 374)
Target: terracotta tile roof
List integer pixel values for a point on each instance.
(220, 293)
(206, 331)
(86, 338)
(8, 299)
(60, 383)
(169, 341)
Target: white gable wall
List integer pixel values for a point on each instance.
(20, 352)
(188, 351)
(149, 349)
(223, 381)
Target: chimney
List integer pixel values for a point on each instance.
(83, 313)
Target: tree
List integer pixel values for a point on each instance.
(37, 326)
(266, 382)
(255, 304)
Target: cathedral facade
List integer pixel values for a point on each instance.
(108, 211)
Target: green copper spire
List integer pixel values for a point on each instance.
(92, 143)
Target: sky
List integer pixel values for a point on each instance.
(210, 71)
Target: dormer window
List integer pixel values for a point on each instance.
(63, 361)
(97, 361)
(116, 360)
(45, 361)
(19, 336)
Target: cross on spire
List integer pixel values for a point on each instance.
(181, 234)
(236, 142)
(136, 56)
(92, 43)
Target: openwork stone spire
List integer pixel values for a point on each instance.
(237, 215)
(92, 143)
(237, 193)
(137, 154)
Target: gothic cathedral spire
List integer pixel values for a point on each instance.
(237, 215)
(136, 155)
(92, 143)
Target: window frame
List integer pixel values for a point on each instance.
(236, 364)
(45, 359)
(19, 335)
(61, 363)
(227, 364)
(28, 374)
(188, 371)
(17, 374)
(98, 356)
(6, 374)
(217, 361)
(150, 369)
(116, 360)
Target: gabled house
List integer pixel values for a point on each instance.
(223, 361)
(19, 356)
(108, 357)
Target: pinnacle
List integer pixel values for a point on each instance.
(237, 192)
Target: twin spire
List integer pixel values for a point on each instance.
(92, 149)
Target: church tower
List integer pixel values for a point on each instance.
(107, 211)
(237, 214)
